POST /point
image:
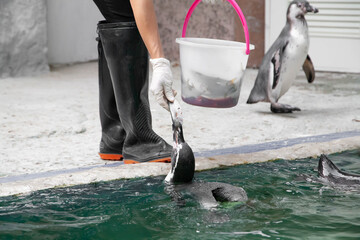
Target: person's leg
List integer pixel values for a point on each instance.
(112, 132)
(127, 59)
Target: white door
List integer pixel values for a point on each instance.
(334, 32)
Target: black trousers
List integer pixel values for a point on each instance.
(116, 10)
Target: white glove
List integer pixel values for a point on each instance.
(161, 84)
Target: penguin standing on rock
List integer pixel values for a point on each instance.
(282, 61)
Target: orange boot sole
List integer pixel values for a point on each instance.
(111, 157)
(162, 160)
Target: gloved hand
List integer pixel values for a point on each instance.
(161, 84)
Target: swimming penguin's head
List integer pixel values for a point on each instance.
(326, 166)
(182, 159)
(182, 164)
(298, 9)
(182, 156)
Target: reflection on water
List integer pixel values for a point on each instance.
(286, 201)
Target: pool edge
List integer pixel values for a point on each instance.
(286, 149)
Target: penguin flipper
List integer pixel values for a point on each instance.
(269, 72)
(275, 61)
(276, 64)
(309, 69)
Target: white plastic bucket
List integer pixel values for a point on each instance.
(212, 69)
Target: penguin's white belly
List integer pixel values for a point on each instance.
(294, 57)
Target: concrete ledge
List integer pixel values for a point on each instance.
(290, 152)
(287, 149)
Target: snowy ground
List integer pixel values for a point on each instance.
(50, 122)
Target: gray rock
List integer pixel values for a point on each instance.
(23, 42)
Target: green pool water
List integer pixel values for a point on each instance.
(286, 201)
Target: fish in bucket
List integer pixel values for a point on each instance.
(212, 69)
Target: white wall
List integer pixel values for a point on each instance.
(275, 19)
(71, 30)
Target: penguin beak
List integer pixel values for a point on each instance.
(310, 8)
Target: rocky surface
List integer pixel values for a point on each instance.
(23, 45)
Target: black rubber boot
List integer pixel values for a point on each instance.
(127, 59)
(113, 134)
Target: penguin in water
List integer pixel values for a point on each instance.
(183, 167)
(329, 171)
(282, 61)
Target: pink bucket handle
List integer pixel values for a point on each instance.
(238, 11)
